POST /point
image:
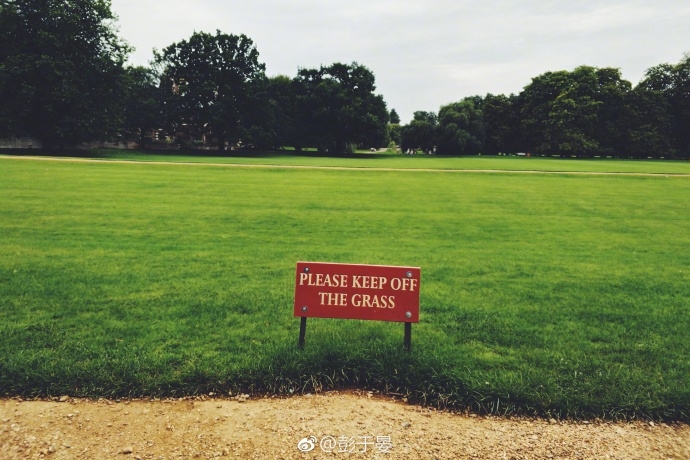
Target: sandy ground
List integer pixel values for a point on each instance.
(333, 425)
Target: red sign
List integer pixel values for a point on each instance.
(351, 291)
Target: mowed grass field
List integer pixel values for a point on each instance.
(551, 294)
(383, 160)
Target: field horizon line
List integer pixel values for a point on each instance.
(340, 168)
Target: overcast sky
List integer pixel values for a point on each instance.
(425, 54)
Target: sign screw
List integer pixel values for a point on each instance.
(306, 269)
(409, 274)
(304, 308)
(408, 315)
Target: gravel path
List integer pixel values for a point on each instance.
(327, 426)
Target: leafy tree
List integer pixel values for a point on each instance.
(461, 129)
(394, 117)
(673, 82)
(394, 133)
(337, 108)
(61, 70)
(427, 117)
(419, 134)
(502, 123)
(260, 122)
(282, 98)
(142, 103)
(559, 112)
(210, 85)
(647, 121)
(611, 128)
(574, 113)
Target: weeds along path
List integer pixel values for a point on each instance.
(340, 168)
(325, 426)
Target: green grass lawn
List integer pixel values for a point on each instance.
(559, 295)
(387, 160)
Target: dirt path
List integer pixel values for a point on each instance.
(327, 425)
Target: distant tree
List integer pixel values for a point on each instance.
(557, 116)
(282, 98)
(142, 103)
(338, 110)
(210, 85)
(673, 82)
(260, 121)
(647, 124)
(611, 128)
(394, 133)
(419, 134)
(573, 113)
(502, 121)
(461, 129)
(61, 71)
(394, 117)
(427, 117)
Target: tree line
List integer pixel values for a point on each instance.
(585, 112)
(64, 80)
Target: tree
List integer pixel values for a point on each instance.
(260, 120)
(573, 113)
(210, 85)
(419, 133)
(338, 110)
(61, 70)
(611, 128)
(394, 133)
(558, 114)
(394, 117)
(673, 83)
(461, 129)
(647, 121)
(427, 117)
(502, 123)
(142, 103)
